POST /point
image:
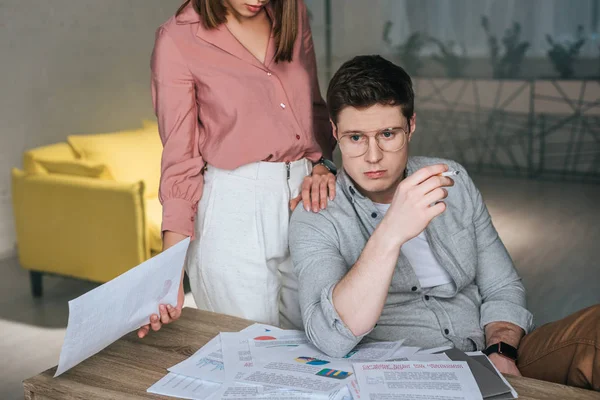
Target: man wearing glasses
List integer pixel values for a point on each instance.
(407, 249)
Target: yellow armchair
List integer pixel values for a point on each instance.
(88, 208)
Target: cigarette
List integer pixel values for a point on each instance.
(450, 173)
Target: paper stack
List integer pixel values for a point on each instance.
(265, 362)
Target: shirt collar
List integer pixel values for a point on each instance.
(221, 36)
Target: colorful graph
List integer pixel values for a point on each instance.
(353, 352)
(265, 338)
(334, 373)
(311, 361)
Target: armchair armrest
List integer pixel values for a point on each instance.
(76, 226)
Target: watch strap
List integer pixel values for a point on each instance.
(504, 349)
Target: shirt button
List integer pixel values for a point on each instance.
(374, 215)
(282, 105)
(426, 297)
(298, 137)
(414, 288)
(351, 190)
(446, 331)
(269, 73)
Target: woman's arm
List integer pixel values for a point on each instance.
(181, 181)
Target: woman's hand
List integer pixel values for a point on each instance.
(168, 313)
(316, 190)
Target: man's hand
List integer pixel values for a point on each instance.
(316, 190)
(504, 365)
(416, 202)
(167, 312)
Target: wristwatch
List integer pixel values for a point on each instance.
(327, 164)
(504, 349)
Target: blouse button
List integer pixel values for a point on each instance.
(282, 105)
(269, 73)
(298, 137)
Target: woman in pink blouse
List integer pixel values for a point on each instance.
(244, 129)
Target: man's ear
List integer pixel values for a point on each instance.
(413, 125)
(333, 129)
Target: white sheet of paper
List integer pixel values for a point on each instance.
(302, 367)
(353, 388)
(275, 342)
(183, 387)
(208, 362)
(403, 353)
(373, 351)
(238, 391)
(434, 350)
(408, 380)
(103, 315)
(429, 357)
(205, 364)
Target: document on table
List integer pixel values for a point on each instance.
(291, 362)
(184, 387)
(238, 391)
(239, 363)
(429, 357)
(105, 314)
(374, 351)
(206, 363)
(237, 357)
(413, 380)
(302, 367)
(276, 341)
(434, 350)
(403, 353)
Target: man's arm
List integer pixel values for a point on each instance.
(338, 309)
(319, 266)
(503, 313)
(359, 297)
(506, 332)
(501, 289)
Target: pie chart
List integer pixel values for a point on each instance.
(265, 338)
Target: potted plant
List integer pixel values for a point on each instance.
(508, 64)
(454, 64)
(408, 52)
(563, 55)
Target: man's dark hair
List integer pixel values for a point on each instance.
(368, 80)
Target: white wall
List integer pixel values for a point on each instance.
(70, 67)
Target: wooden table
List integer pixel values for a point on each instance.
(125, 369)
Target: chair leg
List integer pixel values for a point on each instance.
(36, 283)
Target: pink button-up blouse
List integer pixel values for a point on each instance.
(217, 104)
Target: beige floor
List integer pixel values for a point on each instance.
(552, 231)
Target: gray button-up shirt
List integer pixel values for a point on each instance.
(485, 286)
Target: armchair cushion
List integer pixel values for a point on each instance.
(82, 168)
(54, 152)
(131, 156)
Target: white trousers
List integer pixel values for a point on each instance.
(240, 263)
